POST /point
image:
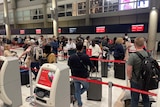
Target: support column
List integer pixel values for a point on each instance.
(7, 24)
(45, 13)
(153, 20)
(55, 19)
(14, 7)
(87, 20)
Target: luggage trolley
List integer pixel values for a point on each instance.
(53, 86)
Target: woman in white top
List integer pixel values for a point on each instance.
(96, 52)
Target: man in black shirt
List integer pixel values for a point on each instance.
(78, 64)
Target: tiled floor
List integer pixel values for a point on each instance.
(116, 92)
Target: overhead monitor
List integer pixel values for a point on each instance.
(59, 30)
(127, 4)
(1, 64)
(38, 31)
(137, 28)
(72, 30)
(142, 3)
(46, 77)
(100, 29)
(22, 32)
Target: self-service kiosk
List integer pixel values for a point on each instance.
(10, 83)
(53, 86)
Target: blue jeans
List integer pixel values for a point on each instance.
(135, 96)
(80, 90)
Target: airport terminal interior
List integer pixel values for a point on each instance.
(118, 94)
(24, 22)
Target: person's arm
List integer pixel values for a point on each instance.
(25, 52)
(129, 71)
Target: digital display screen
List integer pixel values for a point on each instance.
(38, 31)
(142, 3)
(127, 4)
(1, 64)
(59, 30)
(137, 28)
(22, 31)
(72, 30)
(100, 29)
(46, 77)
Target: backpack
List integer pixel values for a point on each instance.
(38, 53)
(149, 76)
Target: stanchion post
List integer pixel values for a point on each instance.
(110, 84)
(126, 78)
(158, 96)
(31, 97)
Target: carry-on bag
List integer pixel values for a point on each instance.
(24, 73)
(95, 90)
(119, 70)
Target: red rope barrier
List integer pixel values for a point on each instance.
(116, 85)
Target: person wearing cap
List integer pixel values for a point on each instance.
(30, 60)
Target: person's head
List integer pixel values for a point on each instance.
(87, 37)
(79, 46)
(6, 47)
(119, 40)
(139, 42)
(93, 43)
(47, 49)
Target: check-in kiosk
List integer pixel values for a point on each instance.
(10, 83)
(53, 86)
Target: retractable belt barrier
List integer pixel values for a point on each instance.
(116, 85)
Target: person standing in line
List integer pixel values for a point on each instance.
(71, 47)
(133, 70)
(78, 64)
(96, 53)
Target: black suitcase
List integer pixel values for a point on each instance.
(104, 69)
(95, 90)
(119, 70)
(24, 76)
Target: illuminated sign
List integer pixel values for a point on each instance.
(22, 31)
(38, 31)
(137, 28)
(59, 30)
(100, 29)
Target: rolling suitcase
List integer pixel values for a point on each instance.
(95, 90)
(24, 76)
(119, 70)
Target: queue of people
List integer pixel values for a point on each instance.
(123, 49)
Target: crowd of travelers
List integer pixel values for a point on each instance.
(75, 49)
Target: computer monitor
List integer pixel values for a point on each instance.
(46, 77)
